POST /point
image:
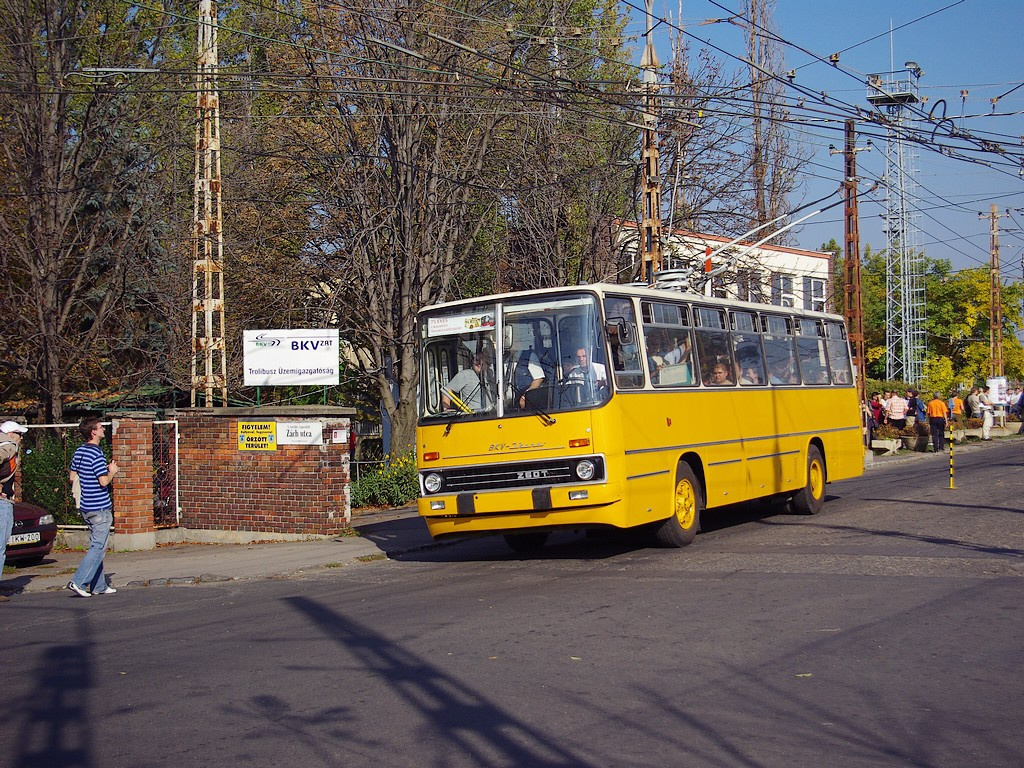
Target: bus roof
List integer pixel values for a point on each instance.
(632, 289)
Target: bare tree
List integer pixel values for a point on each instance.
(570, 159)
(79, 201)
(706, 183)
(396, 172)
(773, 162)
(416, 168)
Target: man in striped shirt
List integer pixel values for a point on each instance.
(94, 475)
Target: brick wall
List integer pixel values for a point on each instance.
(296, 489)
(131, 439)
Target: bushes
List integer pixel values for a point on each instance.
(885, 432)
(391, 485)
(44, 474)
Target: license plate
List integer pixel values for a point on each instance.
(23, 538)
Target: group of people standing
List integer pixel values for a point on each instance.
(892, 408)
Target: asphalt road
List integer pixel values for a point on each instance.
(884, 631)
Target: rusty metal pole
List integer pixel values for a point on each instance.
(995, 314)
(853, 307)
(651, 225)
(209, 356)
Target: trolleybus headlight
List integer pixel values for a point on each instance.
(432, 482)
(585, 469)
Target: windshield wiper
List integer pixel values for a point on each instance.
(451, 420)
(546, 418)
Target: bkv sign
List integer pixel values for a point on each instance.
(291, 357)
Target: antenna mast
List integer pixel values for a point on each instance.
(904, 264)
(651, 226)
(209, 358)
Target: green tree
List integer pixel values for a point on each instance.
(80, 213)
(957, 323)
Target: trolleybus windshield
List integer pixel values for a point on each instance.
(542, 354)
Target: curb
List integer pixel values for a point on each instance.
(906, 457)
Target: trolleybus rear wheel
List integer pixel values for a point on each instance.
(687, 501)
(811, 498)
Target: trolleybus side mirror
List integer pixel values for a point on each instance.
(623, 329)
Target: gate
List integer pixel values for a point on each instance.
(166, 509)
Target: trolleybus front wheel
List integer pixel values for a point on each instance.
(811, 498)
(687, 501)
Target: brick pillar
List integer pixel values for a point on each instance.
(132, 441)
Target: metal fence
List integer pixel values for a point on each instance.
(359, 468)
(166, 507)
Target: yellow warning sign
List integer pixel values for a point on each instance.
(257, 435)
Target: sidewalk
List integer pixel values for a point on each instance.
(905, 456)
(383, 533)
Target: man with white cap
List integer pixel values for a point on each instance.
(10, 456)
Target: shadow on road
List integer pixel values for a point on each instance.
(459, 718)
(53, 725)
(408, 540)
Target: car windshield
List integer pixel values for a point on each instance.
(548, 356)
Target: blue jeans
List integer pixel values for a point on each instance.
(6, 526)
(90, 571)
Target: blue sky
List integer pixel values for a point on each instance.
(972, 45)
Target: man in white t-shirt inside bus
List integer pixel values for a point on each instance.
(591, 376)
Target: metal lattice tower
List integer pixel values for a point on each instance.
(209, 357)
(904, 263)
(651, 225)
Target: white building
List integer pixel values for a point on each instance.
(768, 274)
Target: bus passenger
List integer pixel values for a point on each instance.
(749, 367)
(676, 358)
(719, 375)
(680, 353)
(782, 372)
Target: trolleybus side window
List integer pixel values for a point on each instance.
(623, 346)
(838, 353)
(747, 350)
(714, 351)
(668, 342)
(810, 346)
(779, 350)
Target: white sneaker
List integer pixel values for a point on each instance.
(78, 590)
(108, 591)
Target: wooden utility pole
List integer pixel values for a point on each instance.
(209, 357)
(995, 307)
(651, 226)
(853, 307)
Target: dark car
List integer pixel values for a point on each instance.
(32, 536)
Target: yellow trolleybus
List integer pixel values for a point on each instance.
(614, 406)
